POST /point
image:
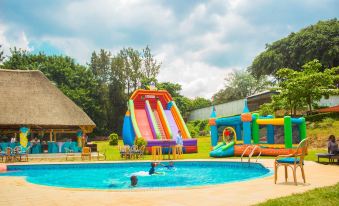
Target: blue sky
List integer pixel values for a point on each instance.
(198, 42)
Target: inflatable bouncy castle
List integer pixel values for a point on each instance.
(245, 130)
(154, 116)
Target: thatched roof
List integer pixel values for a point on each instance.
(29, 98)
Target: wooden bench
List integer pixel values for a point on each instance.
(330, 157)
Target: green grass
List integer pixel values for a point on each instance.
(320, 196)
(112, 153)
(204, 146)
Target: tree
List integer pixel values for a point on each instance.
(2, 57)
(173, 88)
(199, 102)
(151, 66)
(305, 87)
(319, 41)
(240, 84)
(184, 105)
(100, 65)
(119, 75)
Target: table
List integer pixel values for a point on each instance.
(36, 148)
(170, 151)
(53, 147)
(60, 145)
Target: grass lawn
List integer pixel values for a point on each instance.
(320, 196)
(204, 145)
(112, 153)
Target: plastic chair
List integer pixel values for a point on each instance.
(69, 153)
(141, 151)
(134, 151)
(293, 160)
(124, 151)
(9, 155)
(2, 154)
(24, 152)
(102, 153)
(86, 152)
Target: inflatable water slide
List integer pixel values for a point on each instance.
(154, 116)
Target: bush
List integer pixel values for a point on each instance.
(198, 128)
(327, 122)
(266, 109)
(140, 142)
(192, 129)
(113, 139)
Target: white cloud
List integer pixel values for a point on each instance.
(77, 48)
(198, 45)
(196, 78)
(19, 40)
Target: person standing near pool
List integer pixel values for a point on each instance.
(178, 139)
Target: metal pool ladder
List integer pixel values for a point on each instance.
(251, 153)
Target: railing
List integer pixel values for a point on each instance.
(251, 153)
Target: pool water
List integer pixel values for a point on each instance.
(117, 175)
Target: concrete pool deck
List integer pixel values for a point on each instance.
(16, 191)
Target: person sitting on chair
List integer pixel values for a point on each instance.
(332, 145)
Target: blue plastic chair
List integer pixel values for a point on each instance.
(293, 160)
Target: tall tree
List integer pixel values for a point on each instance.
(151, 66)
(240, 84)
(135, 62)
(100, 65)
(2, 57)
(319, 41)
(307, 86)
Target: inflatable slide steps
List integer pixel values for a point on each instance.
(159, 125)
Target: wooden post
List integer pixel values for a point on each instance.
(50, 136)
(55, 136)
(83, 139)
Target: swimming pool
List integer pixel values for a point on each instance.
(113, 176)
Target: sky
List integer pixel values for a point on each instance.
(198, 42)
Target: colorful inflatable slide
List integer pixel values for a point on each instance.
(154, 116)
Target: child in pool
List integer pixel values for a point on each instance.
(152, 170)
(134, 181)
(169, 166)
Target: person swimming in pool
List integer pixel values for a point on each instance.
(169, 166)
(134, 180)
(152, 170)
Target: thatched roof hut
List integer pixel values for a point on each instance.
(28, 98)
